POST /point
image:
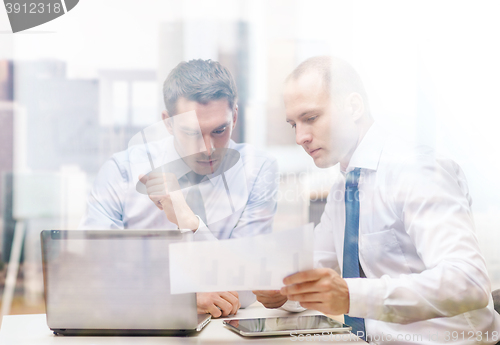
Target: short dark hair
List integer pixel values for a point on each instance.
(339, 77)
(201, 81)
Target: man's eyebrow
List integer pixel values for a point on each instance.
(304, 114)
(185, 128)
(308, 112)
(222, 126)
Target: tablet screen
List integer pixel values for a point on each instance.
(308, 323)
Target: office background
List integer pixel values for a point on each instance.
(74, 91)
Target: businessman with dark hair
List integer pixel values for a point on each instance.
(210, 192)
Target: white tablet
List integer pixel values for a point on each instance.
(287, 325)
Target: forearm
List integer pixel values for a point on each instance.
(97, 218)
(447, 290)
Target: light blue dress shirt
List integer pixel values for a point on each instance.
(115, 203)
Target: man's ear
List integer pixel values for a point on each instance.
(168, 121)
(355, 106)
(235, 115)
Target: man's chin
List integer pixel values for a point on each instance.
(322, 163)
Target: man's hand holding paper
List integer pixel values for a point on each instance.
(270, 298)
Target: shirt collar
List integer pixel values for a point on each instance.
(367, 154)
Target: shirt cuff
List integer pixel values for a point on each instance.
(292, 306)
(365, 297)
(203, 233)
(199, 226)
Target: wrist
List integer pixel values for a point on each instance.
(347, 303)
(195, 223)
(188, 221)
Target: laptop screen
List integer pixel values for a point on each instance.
(101, 279)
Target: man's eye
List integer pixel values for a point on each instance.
(312, 118)
(191, 134)
(293, 126)
(220, 131)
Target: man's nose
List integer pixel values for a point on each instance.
(208, 145)
(302, 135)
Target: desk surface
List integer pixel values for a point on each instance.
(32, 329)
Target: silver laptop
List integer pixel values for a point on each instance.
(112, 282)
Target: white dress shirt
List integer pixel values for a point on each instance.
(425, 275)
(252, 184)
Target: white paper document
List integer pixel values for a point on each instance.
(250, 263)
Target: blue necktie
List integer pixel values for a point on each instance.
(351, 255)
